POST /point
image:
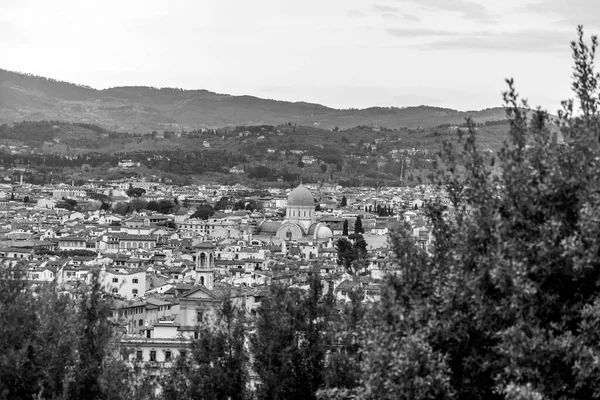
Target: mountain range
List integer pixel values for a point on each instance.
(26, 97)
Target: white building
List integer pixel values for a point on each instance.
(124, 282)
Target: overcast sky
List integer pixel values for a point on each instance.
(341, 53)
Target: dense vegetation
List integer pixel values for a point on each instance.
(265, 154)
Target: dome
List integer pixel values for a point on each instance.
(269, 226)
(300, 197)
(320, 231)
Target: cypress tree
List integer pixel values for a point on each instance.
(358, 228)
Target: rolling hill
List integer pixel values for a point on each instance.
(24, 97)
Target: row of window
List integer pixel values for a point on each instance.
(72, 244)
(300, 213)
(133, 280)
(131, 311)
(134, 292)
(139, 355)
(198, 227)
(138, 245)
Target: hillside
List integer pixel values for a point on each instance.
(252, 155)
(26, 97)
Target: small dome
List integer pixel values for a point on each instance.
(320, 231)
(300, 197)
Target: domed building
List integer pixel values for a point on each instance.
(300, 222)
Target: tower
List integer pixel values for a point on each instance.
(204, 268)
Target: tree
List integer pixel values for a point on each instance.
(138, 204)
(121, 208)
(345, 228)
(344, 202)
(288, 346)
(505, 302)
(203, 211)
(323, 168)
(222, 204)
(96, 332)
(358, 228)
(135, 192)
(26, 199)
(53, 345)
(71, 202)
(165, 206)
(36, 339)
(343, 367)
(352, 253)
(153, 206)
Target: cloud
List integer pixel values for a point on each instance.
(419, 32)
(534, 41)
(570, 13)
(390, 15)
(467, 9)
(530, 41)
(354, 13)
(385, 9)
(411, 17)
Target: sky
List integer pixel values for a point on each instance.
(340, 53)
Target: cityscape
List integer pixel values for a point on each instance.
(309, 201)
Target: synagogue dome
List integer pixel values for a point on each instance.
(300, 197)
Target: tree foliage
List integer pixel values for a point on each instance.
(203, 211)
(358, 228)
(352, 253)
(53, 346)
(502, 303)
(288, 345)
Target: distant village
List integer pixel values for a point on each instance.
(167, 272)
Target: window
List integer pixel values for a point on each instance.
(115, 280)
(148, 333)
(135, 292)
(152, 355)
(139, 355)
(199, 315)
(141, 322)
(134, 280)
(168, 355)
(196, 335)
(182, 353)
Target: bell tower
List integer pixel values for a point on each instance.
(204, 268)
